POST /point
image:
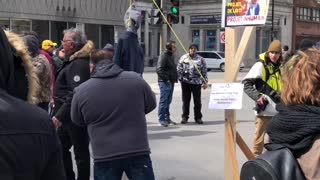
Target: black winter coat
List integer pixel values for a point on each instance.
(74, 71)
(166, 68)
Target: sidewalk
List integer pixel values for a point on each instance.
(150, 69)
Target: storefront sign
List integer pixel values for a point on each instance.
(204, 19)
(226, 96)
(246, 12)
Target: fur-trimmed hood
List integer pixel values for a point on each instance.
(84, 52)
(21, 50)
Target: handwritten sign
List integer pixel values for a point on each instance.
(226, 96)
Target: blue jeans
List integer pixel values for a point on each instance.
(166, 91)
(136, 168)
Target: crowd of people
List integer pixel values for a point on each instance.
(81, 93)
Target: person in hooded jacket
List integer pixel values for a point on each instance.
(42, 70)
(74, 71)
(29, 146)
(117, 129)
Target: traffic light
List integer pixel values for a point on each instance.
(155, 17)
(174, 15)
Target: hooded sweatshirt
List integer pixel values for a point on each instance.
(112, 104)
(29, 146)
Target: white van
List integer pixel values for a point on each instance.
(215, 60)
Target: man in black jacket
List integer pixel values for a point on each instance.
(74, 71)
(113, 104)
(29, 146)
(167, 76)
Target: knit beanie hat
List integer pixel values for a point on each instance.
(275, 46)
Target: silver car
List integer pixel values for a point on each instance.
(215, 60)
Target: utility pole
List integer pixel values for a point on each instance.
(272, 19)
(161, 32)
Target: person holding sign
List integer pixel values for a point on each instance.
(263, 84)
(192, 73)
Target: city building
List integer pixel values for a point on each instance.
(200, 23)
(306, 23)
(102, 21)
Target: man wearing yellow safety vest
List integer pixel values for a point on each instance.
(192, 73)
(263, 85)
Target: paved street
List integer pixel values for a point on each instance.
(194, 152)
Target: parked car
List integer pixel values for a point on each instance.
(215, 60)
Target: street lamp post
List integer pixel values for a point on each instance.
(272, 19)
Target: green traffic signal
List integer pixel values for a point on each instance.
(174, 10)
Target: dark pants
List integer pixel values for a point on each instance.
(136, 168)
(187, 89)
(71, 134)
(166, 91)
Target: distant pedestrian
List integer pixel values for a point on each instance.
(129, 54)
(306, 44)
(112, 104)
(263, 85)
(29, 145)
(74, 71)
(286, 53)
(42, 70)
(167, 76)
(192, 73)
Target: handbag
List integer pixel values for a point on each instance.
(278, 163)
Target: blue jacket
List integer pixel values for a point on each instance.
(129, 55)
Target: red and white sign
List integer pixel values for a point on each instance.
(222, 37)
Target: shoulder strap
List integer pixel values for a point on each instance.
(271, 146)
(266, 70)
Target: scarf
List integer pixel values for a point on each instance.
(295, 127)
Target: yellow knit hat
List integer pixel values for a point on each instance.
(275, 46)
(46, 44)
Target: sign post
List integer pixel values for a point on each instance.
(237, 13)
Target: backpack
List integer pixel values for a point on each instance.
(277, 163)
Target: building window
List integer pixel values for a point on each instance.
(211, 40)
(316, 15)
(107, 35)
(41, 28)
(196, 37)
(308, 14)
(4, 23)
(92, 32)
(57, 29)
(19, 26)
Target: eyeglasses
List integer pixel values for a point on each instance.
(64, 41)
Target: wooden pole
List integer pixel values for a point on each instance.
(234, 57)
(244, 147)
(231, 165)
